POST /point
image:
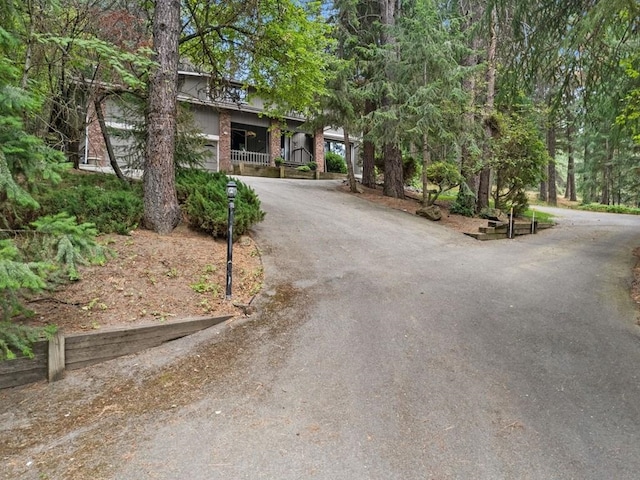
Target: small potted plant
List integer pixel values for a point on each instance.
(279, 161)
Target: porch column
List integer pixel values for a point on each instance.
(318, 148)
(274, 141)
(224, 144)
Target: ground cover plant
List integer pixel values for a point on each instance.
(598, 207)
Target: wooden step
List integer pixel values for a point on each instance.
(486, 236)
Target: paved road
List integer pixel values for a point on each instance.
(391, 348)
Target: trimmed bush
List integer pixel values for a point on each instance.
(335, 163)
(204, 196)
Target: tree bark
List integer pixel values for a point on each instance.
(552, 198)
(161, 209)
(426, 161)
(607, 175)
(368, 153)
(484, 187)
(542, 193)
(471, 14)
(393, 177)
(353, 186)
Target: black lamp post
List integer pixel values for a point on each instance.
(232, 190)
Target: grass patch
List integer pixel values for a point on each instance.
(598, 207)
(539, 216)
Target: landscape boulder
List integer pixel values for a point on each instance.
(493, 214)
(431, 212)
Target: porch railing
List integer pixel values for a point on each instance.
(255, 158)
(301, 156)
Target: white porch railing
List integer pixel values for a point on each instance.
(256, 158)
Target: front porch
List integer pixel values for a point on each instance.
(248, 143)
(300, 156)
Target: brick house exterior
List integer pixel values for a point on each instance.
(235, 128)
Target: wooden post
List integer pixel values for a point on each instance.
(55, 364)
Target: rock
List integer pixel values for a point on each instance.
(431, 213)
(493, 214)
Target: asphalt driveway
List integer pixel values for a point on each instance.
(388, 347)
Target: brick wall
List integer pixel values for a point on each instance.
(275, 133)
(318, 149)
(224, 144)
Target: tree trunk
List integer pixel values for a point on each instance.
(542, 193)
(161, 209)
(607, 175)
(467, 199)
(484, 188)
(426, 161)
(393, 181)
(353, 186)
(107, 140)
(570, 193)
(368, 153)
(393, 177)
(552, 198)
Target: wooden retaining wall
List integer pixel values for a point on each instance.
(77, 350)
(25, 370)
(500, 230)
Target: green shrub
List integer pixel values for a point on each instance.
(69, 243)
(445, 176)
(465, 202)
(598, 207)
(410, 168)
(335, 163)
(17, 275)
(303, 168)
(33, 263)
(205, 203)
(313, 166)
(279, 161)
(15, 337)
(104, 200)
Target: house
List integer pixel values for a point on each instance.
(235, 127)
